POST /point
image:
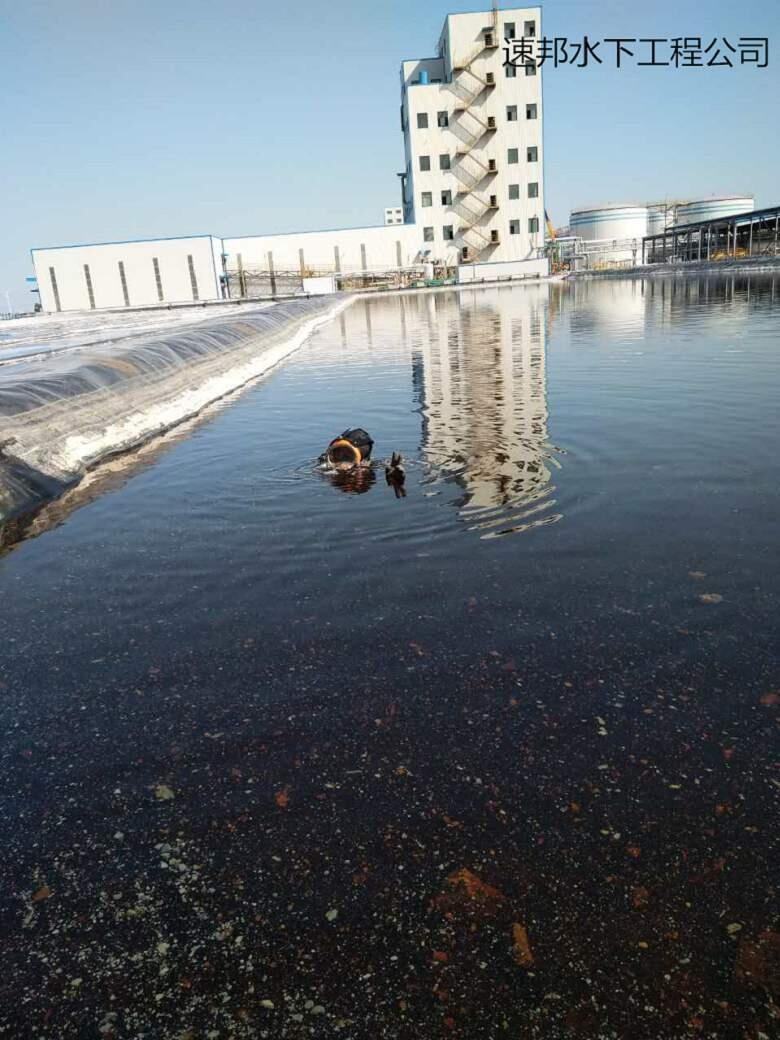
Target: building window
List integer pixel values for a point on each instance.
(88, 280)
(510, 71)
(514, 191)
(123, 280)
(427, 234)
(512, 155)
(529, 29)
(446, 198)
(509, 30)
(54, 288)
(442, 119)
(464, 253)
(511, 113)
(532, 155)
(533, 225)
(444, 162)
(422, 120)
(447, 233)
(533, 190)
(426, 199)
(193, 279)
(530, 69)
(425, 163)
(514, 227)
(530, 111)
(157, 278)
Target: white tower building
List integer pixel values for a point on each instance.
(473, 140)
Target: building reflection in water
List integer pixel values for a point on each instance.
(479, 377)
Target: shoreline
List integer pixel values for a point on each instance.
(47, 450)
(754, 265)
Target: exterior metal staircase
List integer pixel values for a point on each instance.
(470, 168)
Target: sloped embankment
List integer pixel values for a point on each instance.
(63, 416)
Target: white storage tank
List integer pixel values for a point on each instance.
(713, 208)
(609, 222)
(661, 215)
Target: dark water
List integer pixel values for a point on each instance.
(535, 699)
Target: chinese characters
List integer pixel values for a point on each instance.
(672, 52)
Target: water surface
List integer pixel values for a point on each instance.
(269, 741)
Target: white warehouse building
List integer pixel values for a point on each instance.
(473, 197)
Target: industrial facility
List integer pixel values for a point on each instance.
(472, 199)
(715, 236)
(612, 235)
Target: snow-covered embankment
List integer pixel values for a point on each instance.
(61, 415)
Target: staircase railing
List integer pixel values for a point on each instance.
(471, 214)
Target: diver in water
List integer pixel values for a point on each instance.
(352, 448)
(347, 461)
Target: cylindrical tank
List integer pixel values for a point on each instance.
(609, 222)
(660, 215)
(423, 76)
(713, 208)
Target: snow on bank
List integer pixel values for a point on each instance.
(38, 336)
(64, 413)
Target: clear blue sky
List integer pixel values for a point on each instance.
(135, 119)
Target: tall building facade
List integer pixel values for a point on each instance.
(473, 196)
(472, 129)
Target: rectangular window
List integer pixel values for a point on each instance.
(510, 71)
(54, 288)
(446, 198)
(511, 113)
(533, 190)
(123, 280)
(158, 279)
(509, 30)
(512, 155)
(529, 29)
(422, 120)
(530, 111)
(514, 227)
(425, 163)
(532, 154)
(427, 234)
(442, 119)
(514, 191)
(447, 233)
(533, 225)
(444, 162)
(426, 199)
(530, 69)
(193, 279)
(88, 280)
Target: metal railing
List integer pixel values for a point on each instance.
(468, 96)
